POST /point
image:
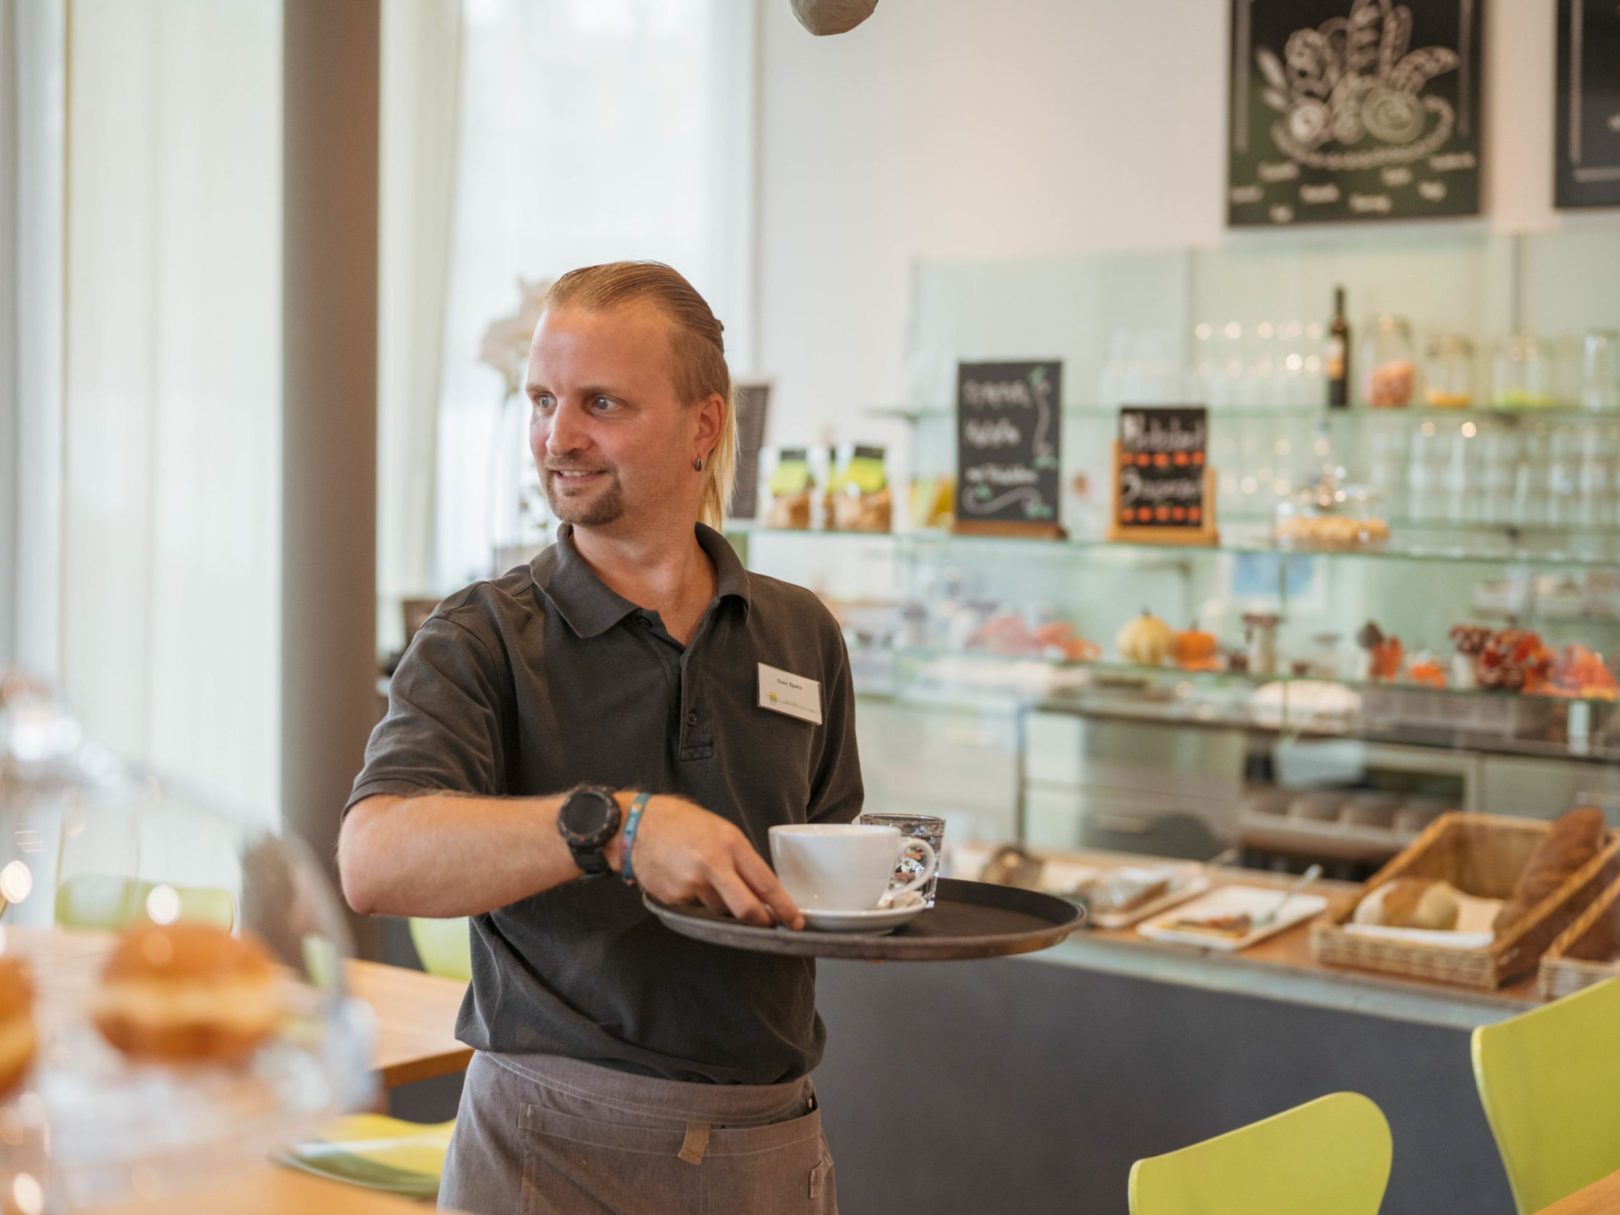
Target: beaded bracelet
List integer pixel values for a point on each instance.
(632, 821)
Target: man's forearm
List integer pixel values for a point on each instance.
(445, 854)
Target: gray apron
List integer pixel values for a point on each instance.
(544, 1135)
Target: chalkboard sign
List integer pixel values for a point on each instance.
(1009, 422)
(1587, 152)
(1353, 110)
(1163, 486)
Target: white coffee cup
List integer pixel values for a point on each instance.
(844, 866)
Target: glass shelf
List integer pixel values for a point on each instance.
(1309, 706)
(1125, 675)
(1413, 415)
(1601, 551)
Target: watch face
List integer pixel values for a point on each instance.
(587, 814)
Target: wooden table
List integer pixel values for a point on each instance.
(416, 1021)
(1602, 1197)
(264, 1189)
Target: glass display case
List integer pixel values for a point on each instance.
(1408, 610)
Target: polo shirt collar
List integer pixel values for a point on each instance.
(591, 607)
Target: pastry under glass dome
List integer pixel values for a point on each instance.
(89, 846)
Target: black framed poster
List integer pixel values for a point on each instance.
(1586, 153)
(1353, 110)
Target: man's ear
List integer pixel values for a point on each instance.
(711, 422)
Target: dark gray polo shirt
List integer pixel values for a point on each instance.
(544, 679)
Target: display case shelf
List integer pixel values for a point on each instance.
(1496, 723)
(1596, 548)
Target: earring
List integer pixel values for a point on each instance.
(697, 464)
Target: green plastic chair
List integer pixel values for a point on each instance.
(1549, 1080)
(1330, 1156)
(111, 901)
(444, 947)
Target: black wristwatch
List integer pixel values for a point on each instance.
(588, 821)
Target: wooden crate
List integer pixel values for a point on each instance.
(1586, 952)
(1481, 855)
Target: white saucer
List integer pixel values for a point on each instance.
(884, 919)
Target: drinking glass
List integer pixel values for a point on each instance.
(1600, 370)
(915, 826)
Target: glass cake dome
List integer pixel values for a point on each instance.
(91, 849)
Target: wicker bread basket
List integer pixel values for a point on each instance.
(1586, 952)
(1481, 855)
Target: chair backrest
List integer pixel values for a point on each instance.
(444, 946)
(1330, 1156)
(1549, 1080)
(112, 901)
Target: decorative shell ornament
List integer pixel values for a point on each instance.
(822, 17)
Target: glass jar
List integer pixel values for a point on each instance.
(1522, 374)
(1600, 369)
(1448, 372)
(1387, 361)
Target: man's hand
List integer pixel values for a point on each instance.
(685, 854)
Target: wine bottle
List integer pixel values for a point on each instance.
(1337, 363)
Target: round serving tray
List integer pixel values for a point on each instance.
(968, 920)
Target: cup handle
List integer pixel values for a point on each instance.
(930, 864)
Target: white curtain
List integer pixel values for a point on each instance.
(170, 495)
(421, 100)
(32, 112)
(590, 130)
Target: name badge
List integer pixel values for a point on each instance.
(788, 693)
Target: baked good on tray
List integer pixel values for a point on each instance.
(1573, 839)
(18, 1039)
(1411, 902)
(186, 993)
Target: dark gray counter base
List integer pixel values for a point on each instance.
(1004, 1087)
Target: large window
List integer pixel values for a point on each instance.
(588, 130)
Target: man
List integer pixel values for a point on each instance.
(601, 714)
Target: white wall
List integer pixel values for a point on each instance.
(967, 129)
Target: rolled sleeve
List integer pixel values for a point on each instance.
(443, 730)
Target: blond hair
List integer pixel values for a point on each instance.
(697, 343)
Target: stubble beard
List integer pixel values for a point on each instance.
(597, 511)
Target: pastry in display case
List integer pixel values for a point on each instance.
(187, 975)
(1329, 511)
(1330, 516)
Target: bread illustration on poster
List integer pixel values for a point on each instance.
(1353, 109)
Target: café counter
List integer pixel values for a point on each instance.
(1033, 1083)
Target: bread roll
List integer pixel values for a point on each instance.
(181, 992)
(18, 1040)
(1573, 839)
(1411, 902)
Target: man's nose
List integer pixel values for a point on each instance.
(565, 434)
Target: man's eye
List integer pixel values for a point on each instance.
(544, 401)
(600, 403)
